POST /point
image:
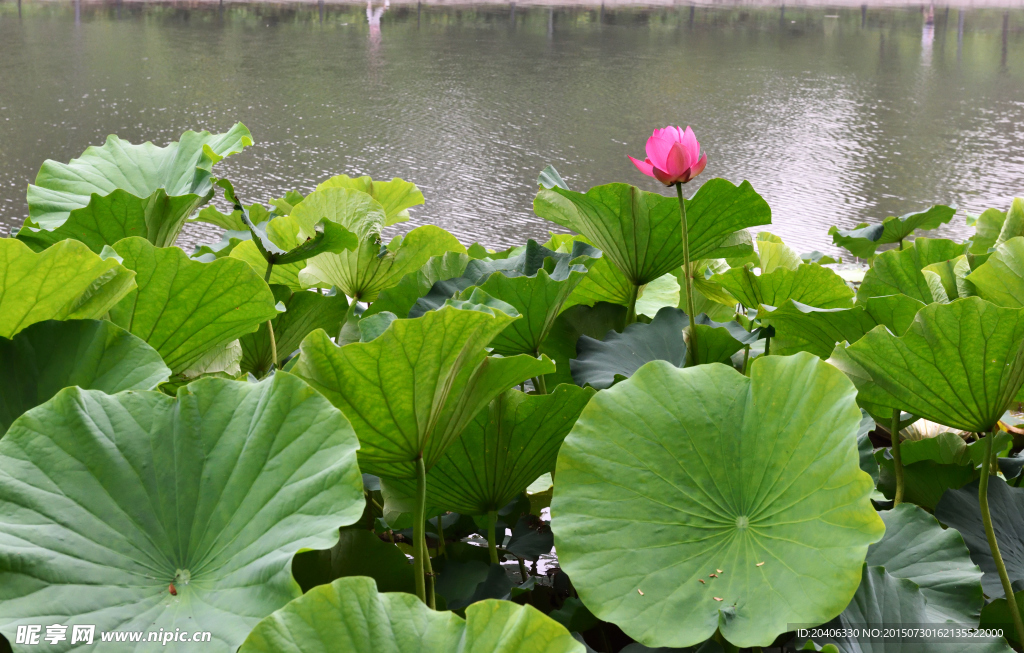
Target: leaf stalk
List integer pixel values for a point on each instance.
(990, 534)
(419, 530)
(492, 544)
(894, 431)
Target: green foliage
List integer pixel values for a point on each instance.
(184, 308)
(121, 190)
(396, 196)
(862, 240)
(675, 474)
(808, 284)
(64, 282)
(106, 501)
(48, 356)
(350, 615)
(900, 271)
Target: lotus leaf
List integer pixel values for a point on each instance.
(48, 356)
(1000, 279)
(809, 284)
(640, 231)
(662, 292)
(602, 363)
(411, 391)
(350, 615)
(305, 313)
(400, 298)
(773, 254)
(364, 273)
(818, 330)
(108, 502)
(959, 509)
(502, 450)
(594, 321)
(64, 282)
(184, 308)
(121, 190)
(396, 196)
(862, 240)
(676, 474)
(959, 364)
(900, 271)
(359, 552)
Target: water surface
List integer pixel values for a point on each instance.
(835, 115)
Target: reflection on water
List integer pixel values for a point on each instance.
(836, 115)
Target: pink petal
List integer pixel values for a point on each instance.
(643, 166)
(664, 177)
(689, 141)
(699, 166)
(658, 147)
(678, 160)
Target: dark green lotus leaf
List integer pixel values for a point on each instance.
(412, 390)
(601, 363)
(396, 196)
(676, 474)
(997, 615)
(350, 615)
(305, 312)
(120, 190)
(718, 341)
(106, 500)
(535, 282)
(64, 282)
(400, 298)
(899, 272)
(359, 552)
(640, 232)
(48, 356)
(959, 509)
(924, 482)
(818, 330)
(917, 548)
(864, 446)
(1000, 279)
(593, 321)
(502, 450)
(809, 284)
(364, 273)
(958, 364)
(184, 308)
(884, 600)
(863, 240)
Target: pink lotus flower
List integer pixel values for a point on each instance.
(673, 156)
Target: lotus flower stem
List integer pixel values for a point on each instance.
(492, 544)
(523, 573)
(993, 545)
(431, 598)
(418, 530)
(894, 431)
(688, 275)
(270, 324)
(440, 538)
(746, 359)
(540, 385)
(768, 346)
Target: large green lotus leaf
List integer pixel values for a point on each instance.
(818, 330)
(676, 474)
(364, 273)
(396, 196)
(184, 308)
(900, 271)
(809, 284)
(353, 209)
(593, 321)
(48, 356)
(106, 500)
(718, 341)
(400, 298)
(305, 313)
(350, 615)
(863, 240)
(536, 282)
(64, 282)
(773, 254)
(959, 364)
(987, 226)
(1000, 279)
(959, 509)
(121, 190)
(411, 391)
(502, 450)
(602, 363)
(603, 283)
(641, 232)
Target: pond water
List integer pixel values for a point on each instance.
(835, 114)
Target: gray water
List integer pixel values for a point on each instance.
(835, 115)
